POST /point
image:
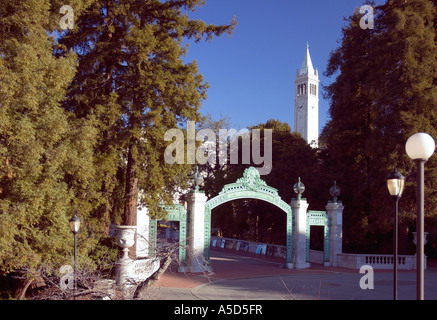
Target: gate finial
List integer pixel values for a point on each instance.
(334, 192)
(198, 180)
(299, 188)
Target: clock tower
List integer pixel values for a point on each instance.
(306, 102)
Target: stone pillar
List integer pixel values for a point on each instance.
(299, 209)
(196, 231)
(142, 243)
(334, 210)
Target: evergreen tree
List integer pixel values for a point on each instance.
(294, 158)
(384, 92)
(346, 137)
(408, 96)
(45, 152)
(132, 78)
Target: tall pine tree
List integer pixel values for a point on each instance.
(407, 98)
(385, 91)
(347, 135)
(132, 78)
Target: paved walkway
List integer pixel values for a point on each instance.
(252, 277)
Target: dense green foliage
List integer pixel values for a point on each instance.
(132, 79)
(45, 151)
(83, 114)
(384, 92)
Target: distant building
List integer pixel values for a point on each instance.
(306, 102)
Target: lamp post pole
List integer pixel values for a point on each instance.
(74, 268)
(420, 226)
(74, 227)
(420, 147)
(395, 249)
(395, 185)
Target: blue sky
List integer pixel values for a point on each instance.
(251, 74)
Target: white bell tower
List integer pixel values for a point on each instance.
(306, 102)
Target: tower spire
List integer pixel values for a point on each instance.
(306, 108)
(307, 64)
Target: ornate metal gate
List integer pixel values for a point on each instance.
(175, 212)
(251, 186)
(318, 218)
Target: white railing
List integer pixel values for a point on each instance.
(345, 260)
(377, 261)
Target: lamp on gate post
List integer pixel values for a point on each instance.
(420, 147)
(395, 185)
(74, 227)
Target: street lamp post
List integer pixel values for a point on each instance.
(420, 147)
(395, 185)
(74, 227)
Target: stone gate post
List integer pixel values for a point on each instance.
(196, 231)
(334, 210)
(299, 208)
(142, 243)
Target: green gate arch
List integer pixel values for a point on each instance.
(318, 218)
(175, 212)
(250, 186)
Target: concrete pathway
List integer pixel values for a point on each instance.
(251, 277)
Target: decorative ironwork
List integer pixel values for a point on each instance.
(153, 233)
(198, 180)
(334, 191)
(175, 212)
(251, 179)
(318, 218)
(250, 186)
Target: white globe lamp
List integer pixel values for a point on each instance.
(420, 146)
